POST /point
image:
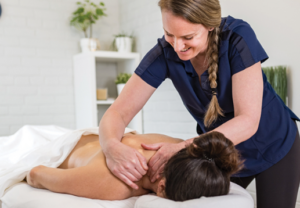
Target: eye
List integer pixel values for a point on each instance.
(188, 38)
(169, 35)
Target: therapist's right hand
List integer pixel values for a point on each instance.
(126, 163)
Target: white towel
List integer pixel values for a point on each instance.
(36, 145)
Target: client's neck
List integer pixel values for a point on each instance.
(146, 184)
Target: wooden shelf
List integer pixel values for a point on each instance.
(109, 101)
(110, 56)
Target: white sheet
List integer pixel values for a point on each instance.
(36, 145)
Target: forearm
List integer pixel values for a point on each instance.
(132, 99)
(111, 128)
(239, 129)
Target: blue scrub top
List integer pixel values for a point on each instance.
(238, 50)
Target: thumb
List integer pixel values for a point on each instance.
(155, 146)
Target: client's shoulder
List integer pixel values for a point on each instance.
(135, 140)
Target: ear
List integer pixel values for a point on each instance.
(211, 29)
(161, 188)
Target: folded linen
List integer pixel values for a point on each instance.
(36, 145)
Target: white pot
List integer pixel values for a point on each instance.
(89, 44)
(124, 44)
(120, 88)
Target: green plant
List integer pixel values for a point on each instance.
(120, 35)
(123, 34)
(86, 15)
(276, 76)
(269, 72)
(122, 78)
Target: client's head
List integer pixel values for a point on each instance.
(201, 169)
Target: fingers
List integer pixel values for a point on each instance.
(158, 173)
(143, 163)
(155, 146)
(127, 177)
(156, 169)
(127, 164)
(154, 164)
(133, 173)
(154, 158)
(126, 169)
(136, 172)
(128, 181)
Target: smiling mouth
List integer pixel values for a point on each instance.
(185, 50)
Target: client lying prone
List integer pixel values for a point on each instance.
(201, 169)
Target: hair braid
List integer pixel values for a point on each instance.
(214, 109)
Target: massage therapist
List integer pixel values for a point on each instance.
(215, 65)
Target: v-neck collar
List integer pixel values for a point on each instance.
(188, 67)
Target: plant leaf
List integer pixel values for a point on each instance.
(86, 14)
(99, 12)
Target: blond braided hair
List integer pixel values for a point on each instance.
(212, 54)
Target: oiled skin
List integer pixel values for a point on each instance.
(84, 172)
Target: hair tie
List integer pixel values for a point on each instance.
(214, 91)
(207, 158)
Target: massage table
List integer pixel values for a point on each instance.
(49, 146)
(21, 195)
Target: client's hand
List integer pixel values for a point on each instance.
(126, 163)
(28, 179)
(31, 177)
(158, 161)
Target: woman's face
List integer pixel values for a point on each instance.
(188, 39)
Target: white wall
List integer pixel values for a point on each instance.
(36, 49)
(276, 25)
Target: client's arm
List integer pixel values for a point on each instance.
(87, 181)
(56, 180)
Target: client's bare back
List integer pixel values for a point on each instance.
(85, 173)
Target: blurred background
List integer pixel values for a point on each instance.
(37, 46)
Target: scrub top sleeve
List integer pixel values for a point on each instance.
(244, 49)
(153, 67)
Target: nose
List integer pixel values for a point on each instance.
(178, 44)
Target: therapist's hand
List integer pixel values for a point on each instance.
(126, 163)
(158, 161)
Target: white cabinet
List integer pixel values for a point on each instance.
(99, 69)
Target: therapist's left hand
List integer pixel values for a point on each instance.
(158, 161)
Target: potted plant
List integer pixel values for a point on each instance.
(276, 76)
(123, 43)
(121, 80)
(83, 18)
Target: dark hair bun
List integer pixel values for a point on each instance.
(202, 169)
(215, 148)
